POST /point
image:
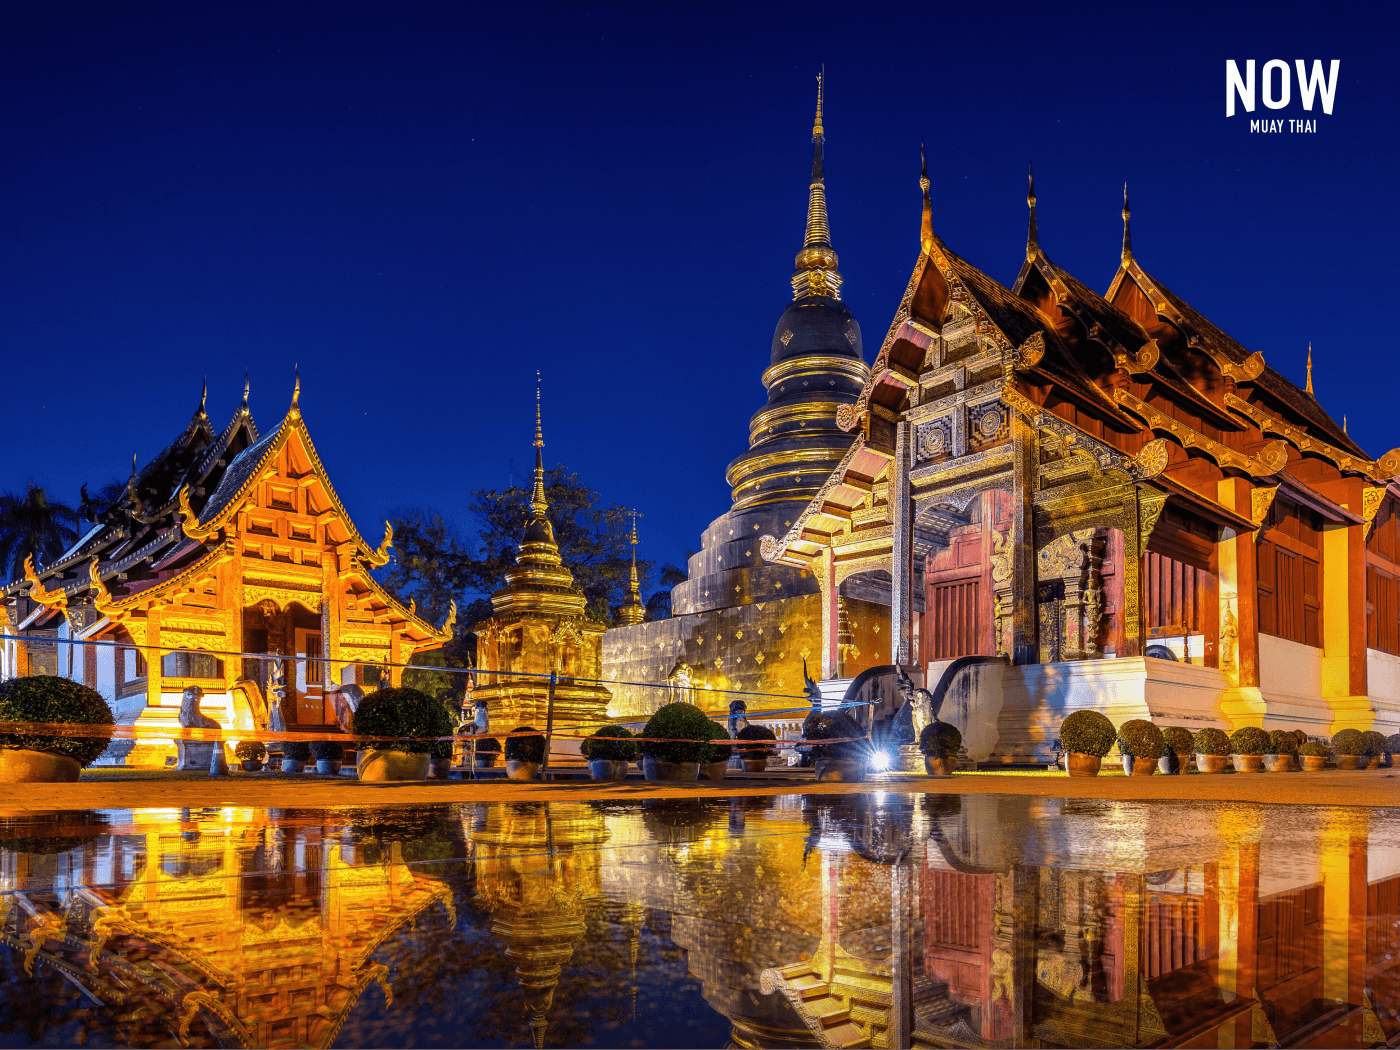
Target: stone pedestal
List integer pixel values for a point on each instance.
(909, 759)
(194, 755)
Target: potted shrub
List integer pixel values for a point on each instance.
(524, 754)
(409, 714)
(713, 767)
(675, 740)
(940, 742)
(488, 749)
(250, 754)
(842, 761)
(328, 754)
(1392, 746)
(759, 750)
(1179, 743)
(1248, 746)
(1086, 737)
(295, 755)
(1142, 745)
(1349, 745)
(47, 698)
(609, 751)
(1283, 745)
(1313, 756)
(1375, 748)
(440, 758)
(1212, 749)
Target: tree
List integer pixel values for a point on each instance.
(33, 524)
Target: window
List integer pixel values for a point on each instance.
(1290, 595)
(1382, 616)
(315, 670)
(191, 665)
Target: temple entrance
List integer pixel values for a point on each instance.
(294, 633)
(959, 618)
(1181, 609)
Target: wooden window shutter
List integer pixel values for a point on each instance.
(1311, 602)
(1268, 620)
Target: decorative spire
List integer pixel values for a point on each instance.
(926, 224)
(816, 263)
(632, 610)
(1309, 388)
(539, 546)
(1344, 424)
(1127, 236)
(203, 398)
(1032, 234)
(538, 503)
(296, 392)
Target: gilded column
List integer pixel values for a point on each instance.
(830, 592)
(1237, 559)
(1023, 590)
(1344, 617)
(901, 604)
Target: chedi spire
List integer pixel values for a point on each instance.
(816, 274)
(632, 610)
(539, 545)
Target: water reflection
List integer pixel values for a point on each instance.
(862, 920)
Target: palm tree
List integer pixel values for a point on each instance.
(33, 524)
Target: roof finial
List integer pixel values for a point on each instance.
(1344, 423)
(244, 406)
(816, 263)
(1309, 389)
(632, 611)
(817, 131)
(926, 223)
(1032, 234)
(1127, 237)
(538, 503)
(296, 389)
(203, 397)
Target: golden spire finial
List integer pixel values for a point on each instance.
(296, 391)
(926, 223)
(538, 504)
(1032, 234)
(1344, 423)
(1309, 389)
(1127, 236)
(244, 406)
(632, 611)
(203, 397)
(817, 131)
(816, 263)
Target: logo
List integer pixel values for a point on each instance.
(1275, 91)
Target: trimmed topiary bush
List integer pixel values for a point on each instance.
(1250, 740)
(1282, 742)
(407, 713)
(940, 740)
(1375, 743)
(486, 744)
(829, 727)
(720, 745)
(677, 732)
(525, 748)
(1087, 733)
(1312, 747)
(296, 750)
(1211, 741)
(1179, 741)
(1141, 739)
(759, 742)
(1392, 744)
(47, 698)
(250, 751)
(1349, 742)
(623, 750)
(327, 750)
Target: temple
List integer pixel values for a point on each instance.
(225, 543)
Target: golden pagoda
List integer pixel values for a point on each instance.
(540, 627)
(632, 610)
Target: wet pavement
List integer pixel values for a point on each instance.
(875, 919)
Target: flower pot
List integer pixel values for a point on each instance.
(713, 770)
(251, 765)
(328, 767)
(379, 766)
(20, 765)
(938, 767)
(486, 761)
(1279, 763)
(1249, 763)
(658, 769)
(1374, 762)
(1140, 767)
(1349, 761)
(1313, 763)
(1212, 763)
(292, 765)
(518, 770)
(607, 769)
(1078, 764)
(441, 767)
(850, 770)
(755, 765)
(1171, 764)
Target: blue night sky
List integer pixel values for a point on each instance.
(423, 203)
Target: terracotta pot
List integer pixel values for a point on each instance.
(1374, 762)
(251, 765)
(1349, 761)
(755, 765)
(1144, 767)
(938, 767)
(1212, 763)
(379, 766)
(713, 770)
(1078, 764)
(1313, 763)
(441, 767)
(1279, 763)
(518, 770)
(1249, 763)
(849, 770)
(292, 765)
(607, 769)
(328, 767)
(20, 765)
(487, 760)
(658, 769)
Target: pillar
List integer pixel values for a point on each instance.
(825, 568)
(901, 513)
(901, 984)
(1238, 599)
(1344, 870)
(1344, 626)
(1024, 649)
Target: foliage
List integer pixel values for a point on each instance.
(940, 740)
(1179, 741)
(1141, 739)
(47, 698)
(1349, 742)
(1087, 733)
(596, 750)
(1313, 747)
(761, 747)
(250, 751)
(1282, 742)
(820, 726)
(485, 744)
(719, 752)
(296, 750)
(327, 750)
(667, 731)
(1392, 744)
(525, 748)
(1250, 740)
(33, 524)
(403, 712)
(1212, 741)
(1375, 743)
